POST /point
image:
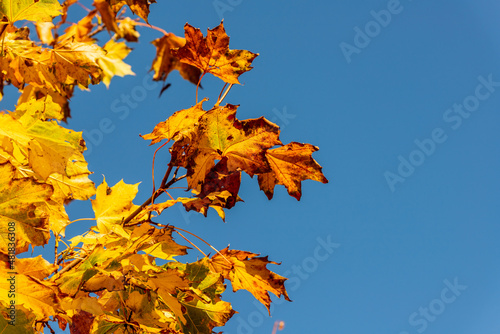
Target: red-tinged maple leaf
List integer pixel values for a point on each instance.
(212, 54)
(165, 62)
(247, 271)
(220, 179)
(220, 134)
(291, 164)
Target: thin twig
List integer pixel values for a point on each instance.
(194, 235)
(153, 167)
(85, 8)
(73, 264)
(278, 325)
(165, 177)
(192, 243)
(148, 201)
(95, 32)
(142, 24)
(55, 248)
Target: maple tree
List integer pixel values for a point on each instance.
(109, 280)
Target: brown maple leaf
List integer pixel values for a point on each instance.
(212, 54)
(107, 14)
(165, 62)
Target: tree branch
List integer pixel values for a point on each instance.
(150, 200)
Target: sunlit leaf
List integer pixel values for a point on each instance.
(212, 54)
(291, 164)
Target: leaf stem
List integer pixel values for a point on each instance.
(221, 91)
(198, 85)
(73, 264)
(142, 24)
(194, 235)
(153, 168)
(224, 96)
(191, 243)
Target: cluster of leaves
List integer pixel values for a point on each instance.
(109, 280)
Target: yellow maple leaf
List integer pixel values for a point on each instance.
(179, 125)
(113, 204)
(69, 63)
(31, 93)
(20, 211)
(159, 242)
(32, 10)
(36, 267)
(36, 295)
(112, 63)
(127, 30)
(44, 32)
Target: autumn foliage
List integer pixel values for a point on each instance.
(109, 279)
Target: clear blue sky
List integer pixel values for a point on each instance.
(407, 117)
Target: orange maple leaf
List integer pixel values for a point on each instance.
(212, 54)
(291, 164)
(219, 134)
(247, 271)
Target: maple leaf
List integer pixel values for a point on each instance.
(32, 10)
(112, 63)
(202, 277)
(69, 63)
(291, 164)
(165, 62)
(179, 125)
(220, 135)
(71, 281)
(51, 148)
(159, 242)
(25, 320)
(127, 30)
(44, 32)
(203, 316)
(62, 112)
(20, 209)
(247, 271)
(45, 108)
(107, 14)
(212, 54)
(36, 267)
(80, 30)
(113, 204)
(36, 295)
(138, 7)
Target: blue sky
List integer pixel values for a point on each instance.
(404, 238)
